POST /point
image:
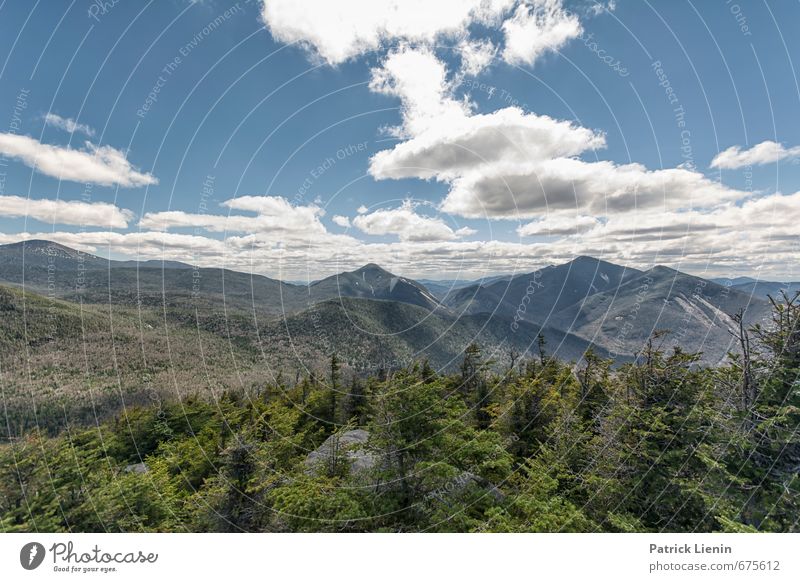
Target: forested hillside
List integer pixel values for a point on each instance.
(658, 444)
(65, 362)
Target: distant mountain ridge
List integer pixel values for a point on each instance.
(584, 302)
(373, 282)
(695, 311)
(534, 296)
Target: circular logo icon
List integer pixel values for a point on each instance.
(31, 555)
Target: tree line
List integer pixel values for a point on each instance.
(658, 444)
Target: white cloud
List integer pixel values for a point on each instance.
(258, 253)
(476, 55)
(278, 213)
(68, 124)
(766, 152)
(274, 214)
(407, 225)
(711, 242)
(338, 31)
(362, 209)
(511, 190)
(447, 150)
(599, 8)
(536, 28)
(342, 221)
(559, 225)
(66, 212)
(512, 164)
(102, 165)
(419, 79)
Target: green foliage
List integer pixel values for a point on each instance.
(659, 444)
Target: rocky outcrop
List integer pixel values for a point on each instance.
(349, 447)
(137, 468)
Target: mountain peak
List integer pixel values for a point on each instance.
(373, 282)
(664, 270)
(592, 261)
(372, 269)
(35, 243)
(46, 247)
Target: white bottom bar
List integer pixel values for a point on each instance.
(387, 557)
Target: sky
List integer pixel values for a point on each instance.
(454, 139)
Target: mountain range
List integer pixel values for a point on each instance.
(584, 302)
(84, 335)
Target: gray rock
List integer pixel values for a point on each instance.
(352, 447)
(137, 468)
(349, 447)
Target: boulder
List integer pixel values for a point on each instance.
(352, 447)
(349, 446)
(137, 468)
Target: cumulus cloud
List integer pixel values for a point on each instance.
(68, 124)
(559, 226)
(101, 165)
(279, 213)
(513, 164)
(536, 28)
(476, 55)
(766, 152)
(419, 78)
(407, 225)
(338, 31)
(274, 214)
(691, 240)
(509, 190)
(342, 221)
(706, 240)
(446, 151)
(66, 212)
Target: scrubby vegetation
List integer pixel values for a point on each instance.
(659, 444)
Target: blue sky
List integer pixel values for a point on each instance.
(261, 136)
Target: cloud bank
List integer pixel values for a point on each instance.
(766, 152)
(338, 31)
(79, 213)
(101, 165)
